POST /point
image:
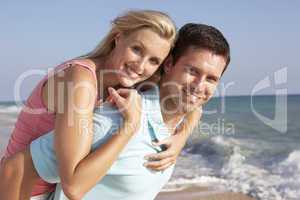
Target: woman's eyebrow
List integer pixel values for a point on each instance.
(159, 60)
(141, 43)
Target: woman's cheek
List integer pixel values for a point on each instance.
(131, 55)
(150, 69)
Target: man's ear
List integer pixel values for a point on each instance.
(168, 64)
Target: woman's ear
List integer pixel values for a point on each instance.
(117, 38)
(168, 64)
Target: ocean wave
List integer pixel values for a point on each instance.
(263, 170)
(289, 186)
(281, 183)
(8, 115)
(10, 109)
(214, 183)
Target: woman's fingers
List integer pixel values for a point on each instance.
(127, 100)
(117, 99)
(124, 92)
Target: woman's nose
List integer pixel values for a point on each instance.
(140, 66)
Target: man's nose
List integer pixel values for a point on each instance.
(197, 86)
(199, 83)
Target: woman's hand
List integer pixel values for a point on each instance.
(128, 102)
(163, 160)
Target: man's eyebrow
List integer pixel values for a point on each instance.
(216, 77)
(192, 66)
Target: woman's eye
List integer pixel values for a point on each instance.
(154, 61)
(137, 49)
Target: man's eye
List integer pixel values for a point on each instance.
(191, 71)
(212, 79)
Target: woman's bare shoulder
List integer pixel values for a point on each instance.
(86, 62)
(79, 69)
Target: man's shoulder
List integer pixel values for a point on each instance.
(107, 115)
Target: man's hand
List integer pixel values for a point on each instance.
(163, 160)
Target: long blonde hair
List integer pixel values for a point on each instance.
(156, 21)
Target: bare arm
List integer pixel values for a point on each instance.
(92, 168)
(190, 122)
(72, 97)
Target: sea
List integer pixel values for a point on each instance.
(247, 144)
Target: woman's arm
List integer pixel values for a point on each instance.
(71, 95)
(174, 143)
(92, 168)
(88, 171)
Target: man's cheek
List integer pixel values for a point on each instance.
(185, 78)
(210, 92)
(212, 89)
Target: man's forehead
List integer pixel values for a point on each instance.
(203, 58)
(192, 55)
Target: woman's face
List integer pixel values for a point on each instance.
(138, 55)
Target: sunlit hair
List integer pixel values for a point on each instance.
(131, 21)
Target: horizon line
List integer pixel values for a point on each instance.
(234, 95)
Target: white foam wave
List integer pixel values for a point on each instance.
(282, 183)
(289, 169)
(10, 109)
(219, 140)
(204, 181)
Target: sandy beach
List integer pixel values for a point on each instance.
(201, 193)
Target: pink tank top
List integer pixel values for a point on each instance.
(30, 126)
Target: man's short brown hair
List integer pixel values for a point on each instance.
(201, 36)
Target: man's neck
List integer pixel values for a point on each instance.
(170, 113)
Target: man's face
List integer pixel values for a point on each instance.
(193, 79)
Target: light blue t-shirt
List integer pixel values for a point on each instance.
(127, 179)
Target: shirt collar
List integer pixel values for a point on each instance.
(153, 113)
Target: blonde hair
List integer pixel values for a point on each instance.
(131, 21)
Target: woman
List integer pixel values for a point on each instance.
(64, 100)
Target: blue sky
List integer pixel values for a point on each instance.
(264, 37)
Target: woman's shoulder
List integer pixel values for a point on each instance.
(80, 69)
(85, 62)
